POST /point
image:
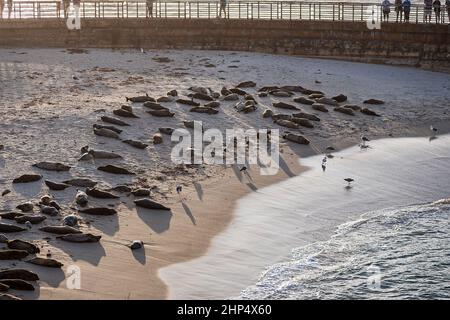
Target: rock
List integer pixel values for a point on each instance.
(136, 244)
(303, 122)
(340, 98)
(17, 284)
(3, 238)
(25, 207)
(315, 96)
(304, 100)
(56, 186)
(122, 189)
(154, 106)
(204, 110)
(201, 96)
(267, 113)
(238, 91)
(284, 105)
(319, 107)
(7, 191)
(114, 121)
(6, 227)
(167, 131)
(327, 101)
(287, 124)
(374, 101)
(27, 178)
(231, 97)
(81, 182)
(114, 169)
(296, 138)
(10, 215)
(136, 144)
(157, 138)
(23, 245)
(10, 297)
(99, 211)
(161, 113)
(112, 128)
(80, 238)
(106, 133)
(33, 219)
(246, 84)
(140, 98)
(352, 106)
(124, 113)
(100, 194)
(281, 116)
(13, 254)
(150, 204)
(46, 262)
(172, 93)
(141, 192)
(305, 115)
(21, 274)
(213, 104)
(71, 220)
(49, 210)
(369, 112)
(347, 111)
(188, 102)
(81, 198)
(164, 99)
(59, 229)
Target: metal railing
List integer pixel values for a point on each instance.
(270, 10)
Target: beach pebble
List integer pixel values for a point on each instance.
(136, 244)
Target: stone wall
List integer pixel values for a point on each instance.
(421, 45)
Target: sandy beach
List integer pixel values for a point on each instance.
(62, 94)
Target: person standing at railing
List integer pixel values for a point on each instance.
(386, 7)
(2, 6)
(447, 5)
(10, 6)
(428, 6)
(437, 10)
(223, 7)
(407, 9)
(150, 8)
(399, 9)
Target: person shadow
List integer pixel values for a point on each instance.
(189, 213)
(199, 189)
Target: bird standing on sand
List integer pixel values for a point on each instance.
(324, 163)
(179, 189)
(364, 139)
(349, 181)
(433, 130)
(243, 169)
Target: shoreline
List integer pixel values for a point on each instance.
(170, 271)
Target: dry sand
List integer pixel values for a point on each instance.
(51, 98)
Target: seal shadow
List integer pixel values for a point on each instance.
(51, 276)
(237, 172)
(199, 189)
(157, 220)
(108, 224)
(140, 256)
(189, 213)
(89, 252)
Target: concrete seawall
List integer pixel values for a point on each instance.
(426, 46)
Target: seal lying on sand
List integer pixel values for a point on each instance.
(99, 211)
(136, 144)
(59, 229)
(33, 219)
(114, 121)
(17, 284)
(114, 169)
(6, 227)
(106, 133)
(56, 186)
(25, 178)
(13, 254)
(150, 204)
(97, 193)
(140, 98)
(80, 238)
(81, 182)
(52, 166)
(44, 262)
(23, 245)
(21, 274)
(112, 128)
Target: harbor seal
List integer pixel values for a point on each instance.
(56, 186)
(23, 245)
(97, 193)
(81, 182)
(99, 211)
(161, 113)
(204, 110)
(115, 121)
(13, 254)
(21, 274)
(296, 138)
(188, 102)
(80, 238)
(124, 113)
(45, 262)
(17, 284)
(283, 105)
(52, 166)
(150, 204)
(157, 138)
(26, 178)
(81, 198)
(343, 110)
(33, 219)
(100, 126)
(106, 133)
(7, 228)
(25, 207)
(136, 144)
(139, 99)
(304, 100)
(59, 229)
(114, 169)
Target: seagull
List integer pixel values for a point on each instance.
(179, 188)
(364, 139)
(243, 169)
(349, 181)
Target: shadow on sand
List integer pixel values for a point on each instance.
(157, 220)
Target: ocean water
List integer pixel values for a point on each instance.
(401, 253)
